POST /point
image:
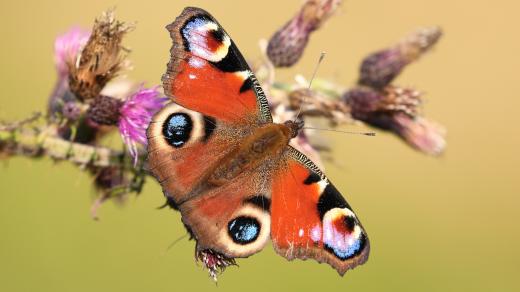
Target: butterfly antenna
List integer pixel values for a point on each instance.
(322, 56)
(340, 131)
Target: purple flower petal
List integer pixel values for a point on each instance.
(66, 48)
(136, 114)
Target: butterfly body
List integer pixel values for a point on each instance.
(266, 143)
(230, 170)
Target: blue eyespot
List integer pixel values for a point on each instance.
(177, 129)
(244, 230)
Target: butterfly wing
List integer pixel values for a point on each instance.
(310, 218)
(221, 101)
(217, 102)
(208, 74)
(183, 146)
(232, 220)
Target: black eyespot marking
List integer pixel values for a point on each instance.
(209, 126)
(177, 129)
(330, 199)
(312, 178)
(260, 201)
(233, 61)
(247, 85)
(350, 223)
(244, 230)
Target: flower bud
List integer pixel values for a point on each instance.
(110, 177)
(395, 109)
(286, 46)
(104, 110)
(71, 110)
(380, 68)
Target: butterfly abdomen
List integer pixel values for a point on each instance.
(266, 142)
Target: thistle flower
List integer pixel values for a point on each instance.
(395, 109)
(66, 50)
(286, 46)
(380, 68)
(101, 59)
(135, 114)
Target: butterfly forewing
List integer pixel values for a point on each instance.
(208, 74)
(311, 219)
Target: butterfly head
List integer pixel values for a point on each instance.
(294, 127)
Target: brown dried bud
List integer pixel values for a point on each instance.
(101, 59)
(104, 110)
(109, 177)
(380, 68)
(395, 109)
(286, 46)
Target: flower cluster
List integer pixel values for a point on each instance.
(86, 63)
(374, 100)
(379, 103)
(87, 103)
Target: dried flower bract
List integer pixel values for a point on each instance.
(101, 59)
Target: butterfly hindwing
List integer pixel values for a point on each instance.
(208, 74)
(232, 220)
(310, 218)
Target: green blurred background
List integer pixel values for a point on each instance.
(436, 224)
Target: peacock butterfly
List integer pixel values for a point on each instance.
(230, 171)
